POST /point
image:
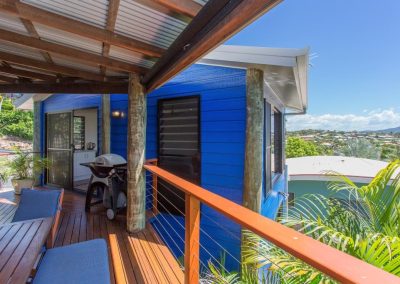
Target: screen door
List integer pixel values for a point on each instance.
(59, 149)
(178, 148)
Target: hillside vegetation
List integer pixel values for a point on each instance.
(15, 122)
(369, 145)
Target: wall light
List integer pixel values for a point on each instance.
(118, 114)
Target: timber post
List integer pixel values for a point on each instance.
(136, 191)
(253, 165)
(106, 124)
(37, 133)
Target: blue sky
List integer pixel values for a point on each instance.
(354, 81)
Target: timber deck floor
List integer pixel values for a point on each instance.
(134, 258)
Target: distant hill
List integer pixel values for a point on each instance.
(389, 130)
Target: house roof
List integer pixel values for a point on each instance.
(46, 45)
(285, 71)
(317, 167)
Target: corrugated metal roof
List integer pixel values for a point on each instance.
(12, 24)
(129, 56)
(136, 19)
(20, 50)
(69, 62)
(201, 2)
(92, 12)
(68, 39)
(148, 25)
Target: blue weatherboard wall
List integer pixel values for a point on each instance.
(222, 94)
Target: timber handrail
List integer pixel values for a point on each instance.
(337, 264)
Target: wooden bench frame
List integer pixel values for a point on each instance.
(56, 222)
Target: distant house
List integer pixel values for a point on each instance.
(310, 175)
(196, 127)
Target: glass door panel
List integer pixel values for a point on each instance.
(59, 149)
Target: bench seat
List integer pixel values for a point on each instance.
(41, 203)
(80, 263)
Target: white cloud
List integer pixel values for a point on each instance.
(369, 120)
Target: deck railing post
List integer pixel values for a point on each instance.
(155, 190)
(192, 239)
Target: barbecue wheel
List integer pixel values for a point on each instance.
(110, 214)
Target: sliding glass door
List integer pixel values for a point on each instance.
(59, 148)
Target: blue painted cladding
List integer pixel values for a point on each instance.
(119, 126)
(65, 102)
(222, 94)
(69, 102)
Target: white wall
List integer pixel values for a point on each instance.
(90, 124)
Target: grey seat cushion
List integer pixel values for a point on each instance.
(80, 263)
(37, 204)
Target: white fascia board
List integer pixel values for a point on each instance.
(239, 59)
(272, 98)
(277, 52)
(301, 76)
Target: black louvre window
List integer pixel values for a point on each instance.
(178, 147)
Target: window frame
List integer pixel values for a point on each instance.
(81, 133)
(276, 149)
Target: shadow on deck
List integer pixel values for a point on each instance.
(134, 258)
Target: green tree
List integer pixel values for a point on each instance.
(15, 122)
(360, 148)
(364, 223)
(390, 152)
(298, 147)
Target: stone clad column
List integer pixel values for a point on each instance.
(137, 116)
(106, 124)
(253, 166)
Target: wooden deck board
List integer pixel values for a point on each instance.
(134, 258)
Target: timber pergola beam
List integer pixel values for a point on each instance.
(29, 12)
(76, 54)
(186, 7)
(216, 22)
(24, 61)
(63, 88)
(26, 74)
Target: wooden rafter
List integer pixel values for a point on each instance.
(67, 88)
(186, 7)
(76, 54)
(24, 61)
(26, 74)
(110, 26)
(154, 5)
(8, 79)
(214, 24)
(5, 64)
(32, 31)
(25, 11)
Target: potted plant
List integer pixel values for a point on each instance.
(3, 177)
(24, 168)
(4, 171)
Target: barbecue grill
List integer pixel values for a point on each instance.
(108, 182)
